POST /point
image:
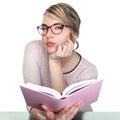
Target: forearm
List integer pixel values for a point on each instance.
(56, 74)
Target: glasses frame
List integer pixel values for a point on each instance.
(50, 27)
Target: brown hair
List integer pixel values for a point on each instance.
(68, 15)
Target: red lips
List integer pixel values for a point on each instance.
(50, 44)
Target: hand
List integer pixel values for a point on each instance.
(63, 50)
(64, 114)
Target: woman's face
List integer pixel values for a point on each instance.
(52, 40)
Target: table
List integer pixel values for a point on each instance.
(87, 116)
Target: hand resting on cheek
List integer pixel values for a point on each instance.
(64, 50)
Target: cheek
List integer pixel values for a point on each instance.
(58, 39)
(44, 39)
(63, 38)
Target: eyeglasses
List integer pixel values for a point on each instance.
(56, 28)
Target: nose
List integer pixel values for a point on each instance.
(49, 32)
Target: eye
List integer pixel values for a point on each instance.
(59, 26)
(43, 29)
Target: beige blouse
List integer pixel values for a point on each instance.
(36, 68)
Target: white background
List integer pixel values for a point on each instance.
(99, 43)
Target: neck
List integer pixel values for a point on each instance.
(68, 63)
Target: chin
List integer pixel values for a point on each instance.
(51, 49)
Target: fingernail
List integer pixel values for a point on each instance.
(41, 117)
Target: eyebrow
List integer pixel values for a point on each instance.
(44, 25)
(53, 24)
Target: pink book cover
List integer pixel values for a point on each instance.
(85, 95)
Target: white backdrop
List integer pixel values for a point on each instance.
(99, 43)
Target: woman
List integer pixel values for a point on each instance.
(53, 61)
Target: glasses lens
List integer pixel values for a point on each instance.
(57, 28)
(42, 29)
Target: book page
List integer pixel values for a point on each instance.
(43, 89)
(76, 86)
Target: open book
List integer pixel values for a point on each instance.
(84, 91)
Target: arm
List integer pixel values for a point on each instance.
(31, 70)
(57, 80)
(31, 74)
(55, 65)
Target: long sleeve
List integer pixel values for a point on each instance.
(31, 68)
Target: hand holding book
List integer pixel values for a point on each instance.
(85, 92)
(67, 113)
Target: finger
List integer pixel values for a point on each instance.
(63, 117)
(65, 50)
(69, 49)
(61, 114)
(49, 114)
(59, 52)
(41, 116)
(70, 46)
(63, 111)
(72, 115)
(73, 111)
(70, 42)
(45, 108)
